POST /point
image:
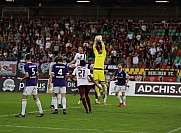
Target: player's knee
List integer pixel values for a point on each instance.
(116, 94)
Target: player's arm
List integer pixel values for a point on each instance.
(127, 78)
(94, 47)
(73, 77)
(67, 73)
(25, 76)
(50, 80)
(37, 77)
(91, 78)
(26, 73)
(114, 76)
(72, 62)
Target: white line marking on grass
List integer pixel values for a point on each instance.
(174, 130)
(48, 110)
(69, 129)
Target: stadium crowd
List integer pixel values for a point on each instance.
(136, 43)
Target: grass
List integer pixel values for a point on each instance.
(142, 115)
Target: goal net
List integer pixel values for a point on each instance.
(15, 12)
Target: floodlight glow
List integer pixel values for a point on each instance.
(161, 1)
(83, 0)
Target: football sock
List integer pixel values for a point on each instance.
(55, 102)
(24, 103)
(59, 97)
(52, 102)
(38, 103)
(124, 99)
(105, 98)
(88, 102)
(97, 91)
(64, 102)
(119, 98)
(104, 88)
(84, 103)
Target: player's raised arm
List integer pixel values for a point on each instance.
(94, 46)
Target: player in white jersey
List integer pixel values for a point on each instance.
(82, 74)
(79, 56)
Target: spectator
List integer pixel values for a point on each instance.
(173, 53)
(157, 61)
(169, 62)
(135, 60)
(177, 65)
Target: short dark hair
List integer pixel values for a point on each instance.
(82, 63)
(28, 56)
(59, 59)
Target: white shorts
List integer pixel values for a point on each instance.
(59, 90)
(120, 88)
(30, 90)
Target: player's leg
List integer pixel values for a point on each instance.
(59, 98)
(87, 98)
(24, 103)
(82, 95)
(52, 104)
(104, 88)
(27, 91)
(64, 101)
(55, 93)
(103, 84)
(118, 88)
(96, 77)
(37, 101)
(80, 99)
(124, 96)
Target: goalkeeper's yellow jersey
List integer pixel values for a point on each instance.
(99, 58)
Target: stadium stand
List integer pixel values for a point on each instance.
(45, 38)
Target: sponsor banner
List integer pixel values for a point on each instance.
(106, 67)
(42, 86)
(44, 69)
(9, 84)
(161, 73)
(161, 78)
(71, 88)
(157, 89)
(14, 85)
(154, 89)
(8, 68)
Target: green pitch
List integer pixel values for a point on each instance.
(142, 115)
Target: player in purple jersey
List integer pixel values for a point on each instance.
(122, 80)
(31, 76)
(60, 74)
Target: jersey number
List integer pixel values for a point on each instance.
(81, 73)
(60, 72)
(33, 71)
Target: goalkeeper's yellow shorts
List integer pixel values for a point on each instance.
(99, 75)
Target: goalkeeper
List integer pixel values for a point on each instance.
(98, 72)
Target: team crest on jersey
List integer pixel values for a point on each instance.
(8, 85)
(80, 57)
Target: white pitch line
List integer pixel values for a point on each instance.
(174, 130)
(48, 110)
(69, 129)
